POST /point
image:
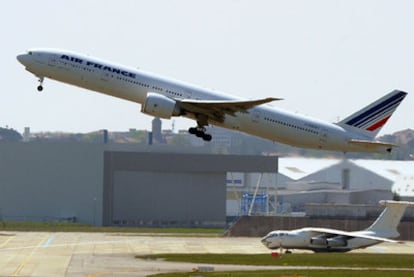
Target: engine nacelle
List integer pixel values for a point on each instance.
(318, 241)
(334, 242)
(159, 105)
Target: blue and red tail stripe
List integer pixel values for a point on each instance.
(379, 124)
(376, 116)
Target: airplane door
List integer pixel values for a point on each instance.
(323, 138)
(105, 76)
(187, 94)
(52, 61)
(256, 116)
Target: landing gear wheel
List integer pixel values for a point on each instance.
(40, 86)
(200, 132)
(207, 137)
(192, 130)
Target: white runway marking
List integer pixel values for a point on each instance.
(49, 241)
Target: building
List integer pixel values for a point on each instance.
(112, 184)
(350, 174)
(308, 180)
(160, 185)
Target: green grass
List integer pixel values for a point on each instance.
(78, 227)
(286, 273)
(320, 259)
(368, 261)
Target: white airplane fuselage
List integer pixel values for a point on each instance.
(132, 84)
(306, 239)
(317, 239)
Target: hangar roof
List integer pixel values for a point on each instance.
(388, 169)
(297, 168)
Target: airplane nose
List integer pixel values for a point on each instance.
(23, 59)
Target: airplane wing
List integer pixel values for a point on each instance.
(350, 234)
(217, 109)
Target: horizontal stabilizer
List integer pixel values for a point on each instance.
(368, 143)
(373, 146)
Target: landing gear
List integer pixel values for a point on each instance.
(200, 133)
(200, 130)
(207, 137)
(40, 86)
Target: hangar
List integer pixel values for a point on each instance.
(317, 180)
(128, 185)
(347, 173)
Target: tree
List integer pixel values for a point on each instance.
(9, 135)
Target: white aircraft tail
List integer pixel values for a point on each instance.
(390, 217)
(369, 120)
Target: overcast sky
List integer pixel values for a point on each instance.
(327, 59)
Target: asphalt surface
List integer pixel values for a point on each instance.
(108, 254)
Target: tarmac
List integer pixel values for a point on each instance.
(109, 254)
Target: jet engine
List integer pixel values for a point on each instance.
(159, 105)
(335, 242)
(318, 241)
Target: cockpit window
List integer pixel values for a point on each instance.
(30, 52)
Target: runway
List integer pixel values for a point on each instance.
(109, 254)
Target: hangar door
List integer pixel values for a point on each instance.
(171, 189)
(163, 190)
(155, 198)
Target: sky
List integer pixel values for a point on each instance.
(325, 58)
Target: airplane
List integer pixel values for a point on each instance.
(383, 229)
(164, 98)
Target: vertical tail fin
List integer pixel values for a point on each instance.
(369, 120)
(390, 217)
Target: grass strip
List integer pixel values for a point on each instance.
(319, 259)
(291, 273)
(78, 227)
